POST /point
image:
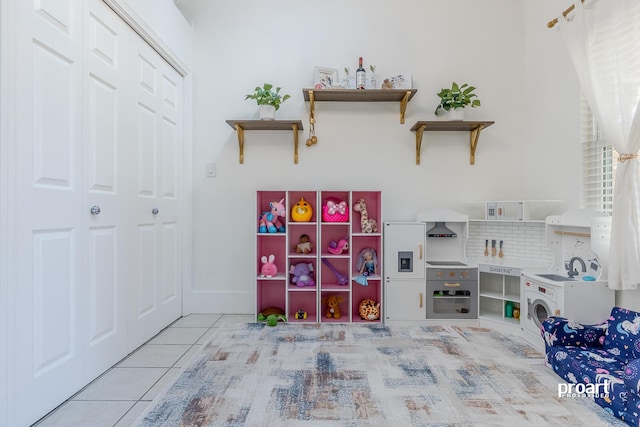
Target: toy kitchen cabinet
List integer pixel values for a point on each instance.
(405, 287)
(317, 254)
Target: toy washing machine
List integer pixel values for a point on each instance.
(575, 287)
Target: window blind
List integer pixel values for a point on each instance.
(599, 162)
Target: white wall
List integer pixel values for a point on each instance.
(503, 47)
(164, 18)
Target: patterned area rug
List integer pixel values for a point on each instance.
(368, 375)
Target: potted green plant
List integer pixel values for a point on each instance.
(268, 100)
(455, 99)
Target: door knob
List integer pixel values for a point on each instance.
(155, 211)
(95, 210)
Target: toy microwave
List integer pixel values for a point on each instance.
(505, 211)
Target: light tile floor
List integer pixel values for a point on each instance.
(121, 394)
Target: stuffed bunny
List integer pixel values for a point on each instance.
(269, 269)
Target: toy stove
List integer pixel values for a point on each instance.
(452, 286)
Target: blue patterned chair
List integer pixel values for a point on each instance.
(606, 353)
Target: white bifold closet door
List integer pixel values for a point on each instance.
(98, 189)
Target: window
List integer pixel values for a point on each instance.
(599, 162)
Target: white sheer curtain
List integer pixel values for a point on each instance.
(603, 40)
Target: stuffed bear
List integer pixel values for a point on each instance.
(302, 274)
(333, 307)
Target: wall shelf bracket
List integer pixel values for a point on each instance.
(474, 128)
(294, 127)
(242, 125)
(474, 135)
(419, 133)
(403, 105)
(240, 133)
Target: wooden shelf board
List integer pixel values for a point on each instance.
(473, 127)
(266, 124)
(355, 95)
(443, 125)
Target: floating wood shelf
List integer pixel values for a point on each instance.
(403, 96)
(241, 125)
(473, 128)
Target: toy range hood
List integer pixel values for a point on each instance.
(441, 230)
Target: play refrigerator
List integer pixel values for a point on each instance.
(404, 271)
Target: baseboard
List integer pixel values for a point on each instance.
(218, 302)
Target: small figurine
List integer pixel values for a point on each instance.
(305, 245)
(366, 264)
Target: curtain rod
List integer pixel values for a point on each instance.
(568, 10)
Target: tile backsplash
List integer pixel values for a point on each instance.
(521, 240)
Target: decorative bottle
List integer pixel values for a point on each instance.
(360, 75)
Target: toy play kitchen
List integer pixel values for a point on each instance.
(452, 285)
(425, 264)
(575, 287)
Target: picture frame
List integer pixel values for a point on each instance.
(325, 78)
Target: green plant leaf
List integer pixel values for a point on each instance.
(458, 96)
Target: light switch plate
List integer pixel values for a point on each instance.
(210, 169)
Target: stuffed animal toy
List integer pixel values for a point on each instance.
(302, 274)
(271, 315)
(269, 221)
(369, 309)
(302, 211)
(367, 225)
(333, 306)
(305, 245)
(269, 269)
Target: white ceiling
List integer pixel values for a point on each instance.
(186, 8)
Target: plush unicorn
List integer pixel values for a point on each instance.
(270, 220)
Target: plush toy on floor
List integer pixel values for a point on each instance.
(333, 306)
(269, 221)
(271, 315)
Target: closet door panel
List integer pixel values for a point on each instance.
(105, 185)
(49, 293)
(158, 99)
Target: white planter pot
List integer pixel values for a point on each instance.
(455, 114)
(267, 112)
